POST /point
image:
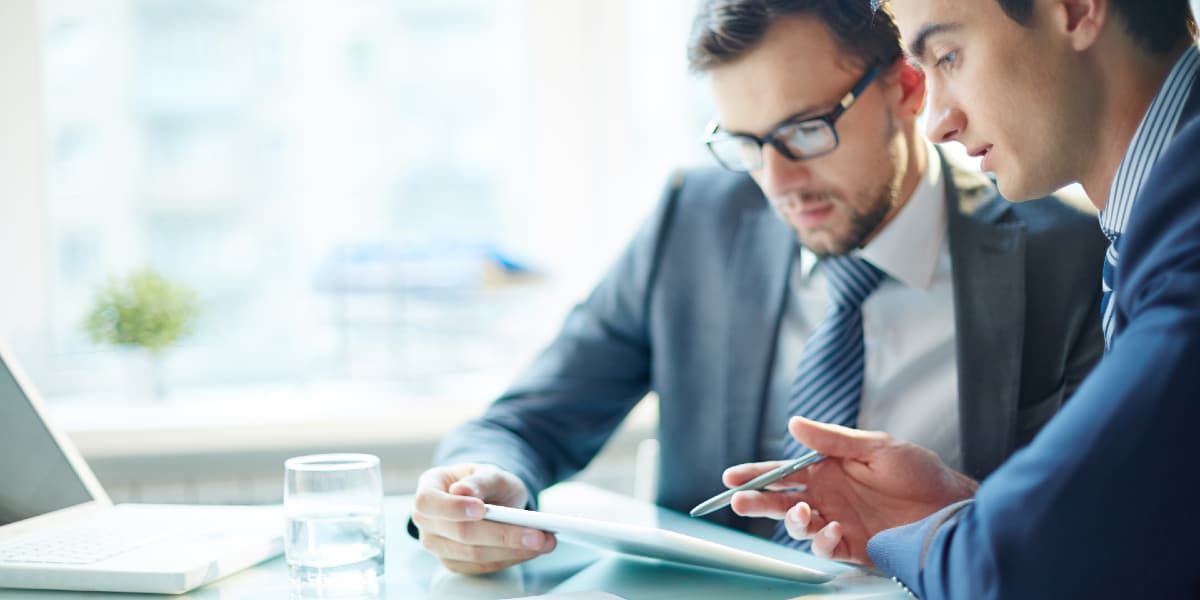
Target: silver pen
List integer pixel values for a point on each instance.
(724, 498)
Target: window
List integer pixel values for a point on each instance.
(408, 193)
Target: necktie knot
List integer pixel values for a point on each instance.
(851, 280)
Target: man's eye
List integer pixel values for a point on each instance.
(947, 60)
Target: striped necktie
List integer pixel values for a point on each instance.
(1107, 307)
(828, 384)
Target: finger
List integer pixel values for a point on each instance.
(773, 505)
(448, 549)
(494, 486)
(826, 541)
(431, 503)
(802, 522)
(479, 481)
(483, 533)
(467, 487)
(831, 543)
(441, 478)
(836, 441)
(740, 474)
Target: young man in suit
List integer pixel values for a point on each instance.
(872, 268)
(1102, 503)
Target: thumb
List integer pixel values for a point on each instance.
(835, 441)
(490, 484)
(478, 484)
(468, 486)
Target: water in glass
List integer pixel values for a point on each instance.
(335, 527)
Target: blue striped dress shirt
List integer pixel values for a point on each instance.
(1149, 142)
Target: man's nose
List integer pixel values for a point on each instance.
(946, 121)
(780, 173)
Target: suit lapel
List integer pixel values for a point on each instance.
(759, 264)
(1191, 112)
(988, 258)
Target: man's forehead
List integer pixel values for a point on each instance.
(922, 5)
(906, 12)
(797, 70)
(771, 102)
(921, 20)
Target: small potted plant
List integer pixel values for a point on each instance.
(144, 311)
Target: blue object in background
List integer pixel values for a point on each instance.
(366, 267)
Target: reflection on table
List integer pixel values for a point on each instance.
(413, 574)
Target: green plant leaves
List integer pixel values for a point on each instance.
(144, 309)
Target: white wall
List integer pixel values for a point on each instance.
(24, 285)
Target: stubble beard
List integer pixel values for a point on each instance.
(862, 224)
(866, 223)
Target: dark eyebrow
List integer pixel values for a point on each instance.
(917, 48)
(811, 112)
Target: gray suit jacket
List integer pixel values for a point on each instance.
(690, 311)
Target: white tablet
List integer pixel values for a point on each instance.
(656, 543)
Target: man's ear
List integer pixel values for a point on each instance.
(1081, 21)
(910, 81)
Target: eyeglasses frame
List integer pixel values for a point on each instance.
(713, 133)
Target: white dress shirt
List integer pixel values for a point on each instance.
(910, 387)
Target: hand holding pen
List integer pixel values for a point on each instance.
(867, 482)
(762, 481)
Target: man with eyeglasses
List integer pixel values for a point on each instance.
(876, 285)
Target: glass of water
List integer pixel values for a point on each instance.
(334, 542)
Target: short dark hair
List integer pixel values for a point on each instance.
(1158, 25)
(725, 30)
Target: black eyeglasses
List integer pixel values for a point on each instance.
(800, 139)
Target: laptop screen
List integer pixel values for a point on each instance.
(35, 475)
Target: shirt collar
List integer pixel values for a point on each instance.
(907, 248)
(1149, 142)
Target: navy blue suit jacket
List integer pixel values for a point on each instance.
(1103, 503)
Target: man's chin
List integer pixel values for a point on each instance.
(1014, 189)
(822, 243)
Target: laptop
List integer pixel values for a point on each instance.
(59, 530)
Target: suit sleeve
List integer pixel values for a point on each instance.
(561, 410)
(1101, 504)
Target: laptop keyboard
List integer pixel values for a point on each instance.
(109, 535)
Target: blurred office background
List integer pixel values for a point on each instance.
(385, 207)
